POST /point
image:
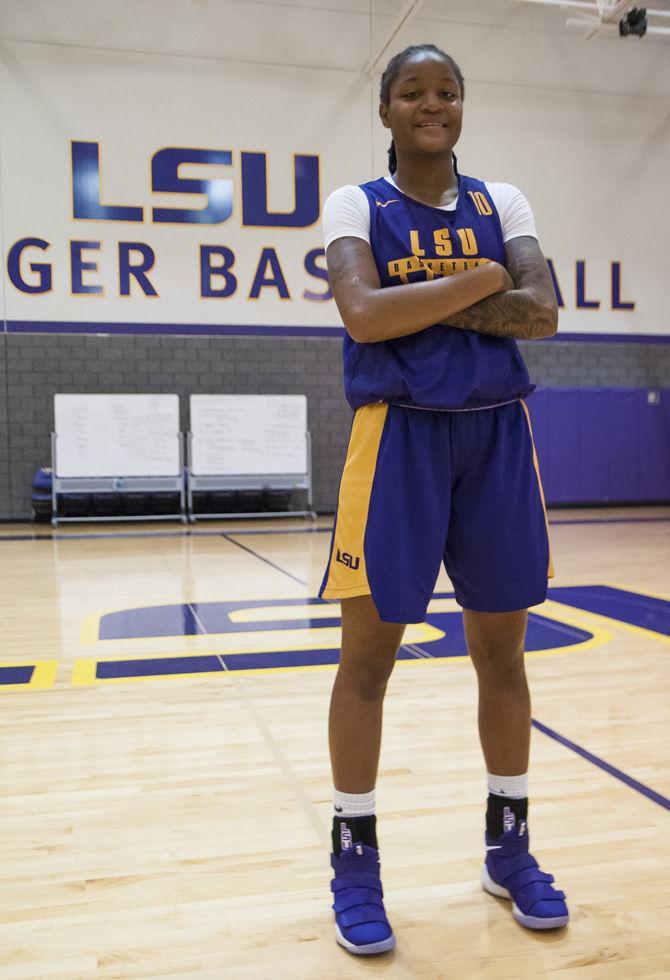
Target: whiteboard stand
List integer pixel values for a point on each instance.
(117, 444)
(118, 484)
(255, 481)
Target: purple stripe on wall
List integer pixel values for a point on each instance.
(611, 338)
(175, 329)
(245, 329)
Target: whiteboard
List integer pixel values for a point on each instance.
(117, 435)
(248, 434)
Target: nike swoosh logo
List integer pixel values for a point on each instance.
(493, 847)
(386, 203)
(338, 809)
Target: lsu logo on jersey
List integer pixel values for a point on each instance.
(444, 262)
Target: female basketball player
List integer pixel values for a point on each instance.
(435, 275)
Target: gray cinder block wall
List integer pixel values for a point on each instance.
(34, 367)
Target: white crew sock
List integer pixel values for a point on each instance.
(514, 787)
(354, 804)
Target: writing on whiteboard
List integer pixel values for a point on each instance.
(248, 434)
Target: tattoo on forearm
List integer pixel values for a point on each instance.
(526, 312)
(508, 314)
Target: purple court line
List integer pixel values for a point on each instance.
(584, 753)
(90, 535)
(612, 520)
(278, 530)
(651, 794)
(260, 557)
(295, 578)
(77, 536)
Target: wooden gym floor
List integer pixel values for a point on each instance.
(166, 792)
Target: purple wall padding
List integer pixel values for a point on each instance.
(602, 445)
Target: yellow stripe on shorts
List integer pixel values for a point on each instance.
(550, 570)
(347, 574)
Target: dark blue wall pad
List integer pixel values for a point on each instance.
(602, 445)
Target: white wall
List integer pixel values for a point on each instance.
(583, 129)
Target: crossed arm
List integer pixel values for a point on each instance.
(518, 304)
(527, 311)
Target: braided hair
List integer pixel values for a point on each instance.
(391, 73)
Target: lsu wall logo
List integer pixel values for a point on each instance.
(351, 561)
(165, 178)
(215, 265)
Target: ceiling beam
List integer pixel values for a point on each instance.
(600, 16)
(410, 9)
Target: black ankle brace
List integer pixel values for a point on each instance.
(348, 831)
(495, 813)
